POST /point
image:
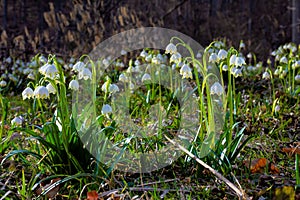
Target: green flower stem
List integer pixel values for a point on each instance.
(297, 171)
(293, 80)
(230, 99)
(206, 116)
(272, 84)
(4, 109)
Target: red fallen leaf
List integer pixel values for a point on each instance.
(53, 192)
(92, 195)
(273, 169)
(258, 165)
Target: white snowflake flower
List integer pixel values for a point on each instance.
(171, 49)
(50, 88)
(186, 71)
(85, 74)
(41, 92)
(27, 93)
(146, 77)
(106, 109)
(217, 89)
(74, 85)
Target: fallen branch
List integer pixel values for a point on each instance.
(239, 193)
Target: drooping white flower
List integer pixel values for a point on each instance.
(148, 58)
(146, 77)
(4, 76)
(85, 74)
(8, 60)
(176, 58)
(3, 83)
(266, 75)
(123, 78)
(222, 54)
(293, 49)
(277, 72)
(113, 88)
(106, 109)
(105, 86)
(155, 60)
(249, 55)
(137, 62)
(41, 92)
(49, 70)
(27, 71)
(72, 60)
(217, 44)
(160, 58)
(171, 49)
(17, 121)
(232, 60)
(43, 59)
(283, 73)
(78, 67)
(131, 86)
(283, 60)
(277, 108)
(217, 89)
(186, 71)
(123, 52)
(143, 54)
(74, 85)
(296, 64)
(50, 88)
(242, 45)
(240, 61)
(27, 93)
(251, 68)
(198, 55)
(12, 78)
(105, 62)
(273, 53)
(236, 72)
(42, 69)
(225, 68)
(236, 61)
(297, 78)
(120, 64)
(213, 58)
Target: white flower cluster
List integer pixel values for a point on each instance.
(176, 58)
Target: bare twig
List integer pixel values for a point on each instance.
(143, 189)
(238, 192)
(158, 182)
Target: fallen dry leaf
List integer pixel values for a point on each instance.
(291, 150)
(92, 195)
(259, 165)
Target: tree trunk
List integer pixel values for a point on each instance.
(296, 22)
(4, 14)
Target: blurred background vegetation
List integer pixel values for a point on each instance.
(72, 28)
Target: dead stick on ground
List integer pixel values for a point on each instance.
(217, 174)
